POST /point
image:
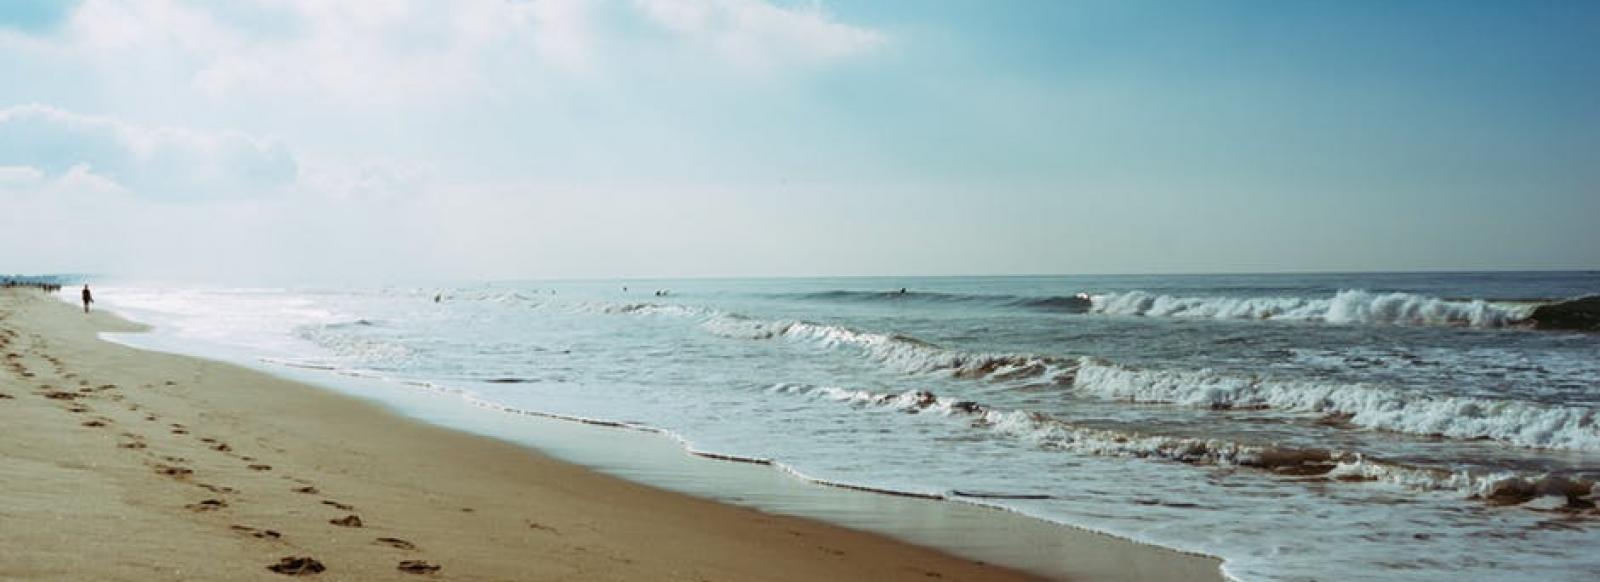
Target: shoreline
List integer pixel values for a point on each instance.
(480, 506)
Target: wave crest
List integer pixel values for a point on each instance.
(904, 353)
(1341, 466)
(1345, 307)
(1521, 423)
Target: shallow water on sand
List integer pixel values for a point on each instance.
(1398, 426)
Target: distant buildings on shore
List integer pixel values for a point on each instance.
(48, 283)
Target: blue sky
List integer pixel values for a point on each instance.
(569, 138)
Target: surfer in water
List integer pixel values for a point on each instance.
(87, 298)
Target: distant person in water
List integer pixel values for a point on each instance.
(87, 298)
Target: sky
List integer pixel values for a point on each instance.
(394, 140)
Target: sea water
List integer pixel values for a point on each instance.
(1330, 426)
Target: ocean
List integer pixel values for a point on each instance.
(1412, 426)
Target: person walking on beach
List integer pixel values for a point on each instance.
(87, 298)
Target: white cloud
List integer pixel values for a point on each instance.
(363, 88)
(18, 177)
(23, 183)
(160, 162)
(368, 52)
(81, 179)
(352, 52)
(760, 34)
(99, 194)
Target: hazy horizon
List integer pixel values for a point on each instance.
(297, 140)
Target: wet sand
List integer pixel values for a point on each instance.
(122, 464)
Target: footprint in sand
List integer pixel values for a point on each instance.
(297, 566)
(216, 488)
(207, 505)
(417, 567)
(351, 520)
(260, 467)
(335, 504)
(4, 396)
(397, 543)
(93, 423)
(542, 527)
(174, 472)
(132, 445)
(256, 532)
(216, 445)
(306, 489)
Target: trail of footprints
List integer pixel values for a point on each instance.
(73, 400)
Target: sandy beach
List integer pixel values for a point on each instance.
(121, 464)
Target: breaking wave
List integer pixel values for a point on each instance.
(1520, 423)
(1048, 432)
(1345, 307)
(904, 353)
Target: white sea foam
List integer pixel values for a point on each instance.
(903, 353)
(1051, 433)
(1345, 307)
(1522, 423)
(357, 347)
(667, 309)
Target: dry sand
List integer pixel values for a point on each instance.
(121, 464)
